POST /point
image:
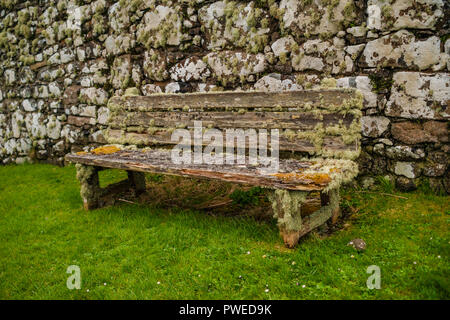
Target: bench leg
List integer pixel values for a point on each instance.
(90, 187)
(137, 181)
(332, 200)
(286, 206)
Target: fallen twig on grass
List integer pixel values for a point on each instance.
(128, 201)
(214, 205)
(218, 204)
(384, 194)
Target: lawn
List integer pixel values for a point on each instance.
(174, 250)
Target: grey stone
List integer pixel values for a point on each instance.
(374, 126)
(399, 14)
(419, 95)
(405, 184)
(96, 96)
(53, 128)
(149, 89)
(121, 71)
(229, 64)
(268, 83)
(367, 182)
(223, 31)
(29, 105)
(172, 87)
(363, 84)
(436, 164)
(88, 111)
(358, 244)
(190, 69)
(283, 45)
(59, 146)
(313, 17)
(155, 65)
(161, 26)
(103, 115)
(358, 31)
(406, 169)
(404, 153)
(401, 49)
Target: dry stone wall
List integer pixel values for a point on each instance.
(62, 60)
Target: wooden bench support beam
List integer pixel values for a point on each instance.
(331, 198)
(287, 205)
(137, 181)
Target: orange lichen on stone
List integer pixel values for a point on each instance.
(81, 153)
(317, 178)
(335, 170)
(105, 150)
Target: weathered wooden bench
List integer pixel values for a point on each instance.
(322, 124)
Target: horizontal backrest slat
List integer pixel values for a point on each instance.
(320, 122)
(257, 120)
(236, 99)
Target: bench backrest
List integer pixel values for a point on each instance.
(319, 122)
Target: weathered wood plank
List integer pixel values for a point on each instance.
(235, 99)
(160, 161)
(224, 120)
(163, 137)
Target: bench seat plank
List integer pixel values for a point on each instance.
(317, 175)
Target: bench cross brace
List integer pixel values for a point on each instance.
(287, 209)
(96, 197)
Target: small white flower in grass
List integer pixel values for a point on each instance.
(352, 256)
(87, 290)
(248, 252)
(304, 286)
(159, 282)
(293, 262)
(439, 257)
(415, 262)
(240, 277)
(267, 290)
(431, 238)
(104, 284)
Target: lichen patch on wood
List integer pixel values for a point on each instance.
(320, 178)
(105, 150)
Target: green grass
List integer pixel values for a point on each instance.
(195, 255)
